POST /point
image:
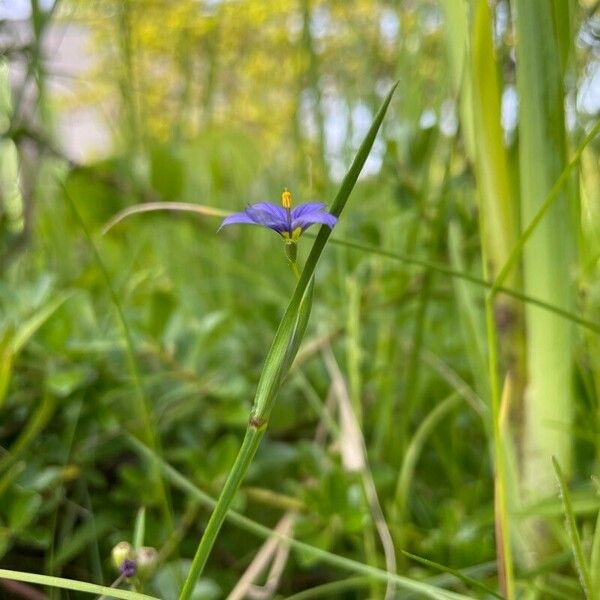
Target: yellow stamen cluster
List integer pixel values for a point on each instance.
(286, 199)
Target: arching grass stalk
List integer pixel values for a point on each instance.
(281, 354)
(493, 287)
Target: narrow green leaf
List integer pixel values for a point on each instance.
(139, 531)
(470, 315)
(148, 430)
(595, 559)
(464, 578)
(414, 449)
(73, 584)
(440, 268)
(580, 560)
(494, 193)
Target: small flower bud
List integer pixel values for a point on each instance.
(122, 552)
(147, 561)
(128, 568)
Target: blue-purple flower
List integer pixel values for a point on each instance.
(290, 223)
(128, 568)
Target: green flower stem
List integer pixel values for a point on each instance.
(254, 434)
(295, 269)
(281, 354)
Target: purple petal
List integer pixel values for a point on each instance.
(313, 218)
(240, 217)
(269, 215)
(261, 213)
(308, 207)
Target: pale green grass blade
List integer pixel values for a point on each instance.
(581, 562)
(205, 211)
(439, 268)
(456, 17)
(475, 80)
(497, 211)
(497, 226)
(72, 584)
(548, 258)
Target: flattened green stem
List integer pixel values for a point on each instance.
(279, 359)
(252, 439)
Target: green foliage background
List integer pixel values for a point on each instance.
(226, 103)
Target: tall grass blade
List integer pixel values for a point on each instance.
(581, 562)
(148, 430)
(497, 210)
(414, 449)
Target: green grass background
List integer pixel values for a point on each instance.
(452, 347)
